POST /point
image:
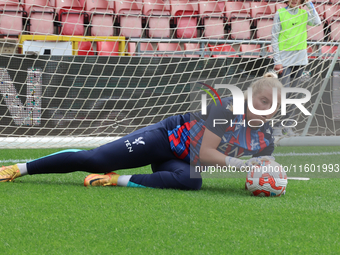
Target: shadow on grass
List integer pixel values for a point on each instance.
(51, 179)
(49, 182)
(229, 190)
(209, 188)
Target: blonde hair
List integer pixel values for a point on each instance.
(269, 80)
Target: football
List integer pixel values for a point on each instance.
(267, 180)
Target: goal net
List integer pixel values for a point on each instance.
(83, 73)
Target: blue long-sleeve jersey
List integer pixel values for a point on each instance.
(237, 138)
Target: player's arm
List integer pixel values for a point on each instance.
(209, 155)
(313, 16)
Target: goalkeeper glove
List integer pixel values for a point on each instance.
(263, 158)
(238, 163)
(257, 161)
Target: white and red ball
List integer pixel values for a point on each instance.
(267, 180)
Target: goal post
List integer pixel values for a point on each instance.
(78, 74)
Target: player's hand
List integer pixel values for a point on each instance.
(278, 68)
(270, 158)
(253, 162)
(231, 161)
(257, 161)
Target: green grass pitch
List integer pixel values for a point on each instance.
(56, 214)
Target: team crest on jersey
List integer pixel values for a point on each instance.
(138, 141)
(254, 144)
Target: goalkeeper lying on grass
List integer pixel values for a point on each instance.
(166, 146)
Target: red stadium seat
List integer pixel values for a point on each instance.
(263, 14)
(169, 49)
(10, 17)
(193, 47)
(332, 15)
(252, 50)
(105, 48)
(85, 49)
(129, 12)
(238, 15)
(221, 49)
(101, 17)
(316, 33)
(158, 18)
(71, 16)
(320, 9)
(328, 51)
(41, 16)
(186, 18)
(212, 16)
(280, 5)
(132, 49)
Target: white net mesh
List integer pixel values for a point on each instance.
(81, 73)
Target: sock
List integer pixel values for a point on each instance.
(123, 180)
(22, 169)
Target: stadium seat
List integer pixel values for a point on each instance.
(316, 33)
(185, 13)
(106, 48)
(169, 49)
(193, 47)
(41, 16)
(129, 12)
(101, 14)
(238, 16)
(320, 9)
(280, 5)
(252, 50)
(332, 15)
(85, 49)
(158, 18)
(222, 5)
(212, 17)
(263, 15)
(71, 16)
(327, 51)
(10, 17)
(262, 9)
(132, 49)
(222, 48)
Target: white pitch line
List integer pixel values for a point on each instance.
(4, 161)
(294, 154)
(290, 154)
(298, 178)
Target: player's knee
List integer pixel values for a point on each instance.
(192, 182)
(195, 183)
(96, 163)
